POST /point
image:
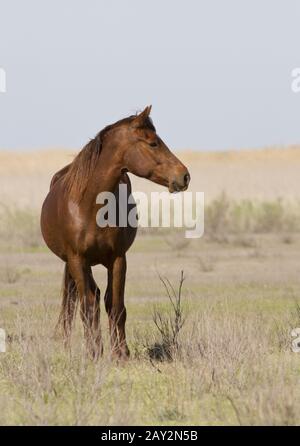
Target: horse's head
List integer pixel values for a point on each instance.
(147, 156)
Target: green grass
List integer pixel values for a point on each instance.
(238, 373)
(233, 363)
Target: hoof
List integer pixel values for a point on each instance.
(121, 354)
(95, 351)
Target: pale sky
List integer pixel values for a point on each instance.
(218, 73)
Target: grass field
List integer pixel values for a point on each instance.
(232, 361)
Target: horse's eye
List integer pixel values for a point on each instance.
(153, 144)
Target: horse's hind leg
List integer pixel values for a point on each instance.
(89, 295)
(95, 322)
(69, 297)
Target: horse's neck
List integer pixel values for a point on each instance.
(106, 175)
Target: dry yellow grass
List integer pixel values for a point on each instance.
(264, 174)
(234, 364)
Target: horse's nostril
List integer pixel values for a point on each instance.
(186, 179)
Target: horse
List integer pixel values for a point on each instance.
(70, 230)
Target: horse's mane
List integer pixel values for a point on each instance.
(77, 177)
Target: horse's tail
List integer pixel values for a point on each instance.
(69, 303)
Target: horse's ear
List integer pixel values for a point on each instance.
(141, 117)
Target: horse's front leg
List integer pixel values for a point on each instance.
(114, 303)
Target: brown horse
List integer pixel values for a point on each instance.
(69, 227)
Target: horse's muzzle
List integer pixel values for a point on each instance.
(180, 182)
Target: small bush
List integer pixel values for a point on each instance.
(224, 217)
(168, 324)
